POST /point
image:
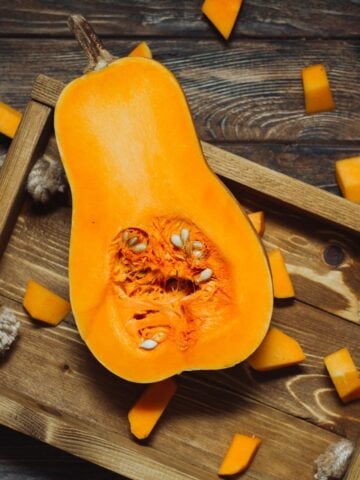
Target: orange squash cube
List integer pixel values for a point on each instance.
(146, 412)
(9, 120)
(318, 96)
(348, 178)
(283, 287)
(239, 454)
(141, 50)
(277, 350)
(44, 305)
(343, 373)
(258, 221)
(222, 14)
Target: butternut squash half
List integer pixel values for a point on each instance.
(166, 272)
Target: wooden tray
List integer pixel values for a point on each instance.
(53, 389)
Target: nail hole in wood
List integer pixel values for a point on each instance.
(334, 255)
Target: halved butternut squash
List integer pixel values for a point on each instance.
(166, 272)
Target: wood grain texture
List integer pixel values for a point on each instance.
(258, 18)
(250, 91)
(273, 185)
(353, 472)
(61, 401)
(24, 458)
(27, 145)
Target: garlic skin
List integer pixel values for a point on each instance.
(9, 328)
(332, 464)
(46, 178)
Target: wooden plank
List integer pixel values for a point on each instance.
(313, 163)
(353, 472)
(281, 18)
(69, 400)
(24, 458)
(25, 148)
(250, 91)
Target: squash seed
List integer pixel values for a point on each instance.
(184, 234)
(132, 241)
(205, 275)
(176, 240)
(139, 247)
(148, 344)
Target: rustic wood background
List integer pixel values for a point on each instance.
(246, 96)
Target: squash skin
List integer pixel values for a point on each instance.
(128, 160)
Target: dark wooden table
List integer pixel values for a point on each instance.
(245, 96)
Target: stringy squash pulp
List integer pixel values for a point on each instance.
(166, 272)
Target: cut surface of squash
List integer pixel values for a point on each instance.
(348, 178)
(278, 350)
(344, 375)
(141, 50)
(146, 412)
(222, 14)
(45, 305)
(166, 273)
(9, 120)
(240, 454)
(318, 96)
(258, 221)
(283, 287)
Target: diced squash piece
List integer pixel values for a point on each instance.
(348, 178)
(258, 221)
(318, 96)
(283, 287)
(141, 50)
(344, 375)
(278, 350)
(44, 305)
(222, 14)
(146, 412)
(240, 454)
(9, 120)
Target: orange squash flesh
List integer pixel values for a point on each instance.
(9, 120)
(140, 185)
(240, 454)
(44, 305)
(222, 14)
(348, 178)
(278, 350)
(318, 96)
(141, 50)
(258, 221)
(283, 287)
(146, 412)
(344, 374)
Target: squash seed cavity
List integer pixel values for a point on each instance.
(167, 277)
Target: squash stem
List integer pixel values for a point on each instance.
(97, 55)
